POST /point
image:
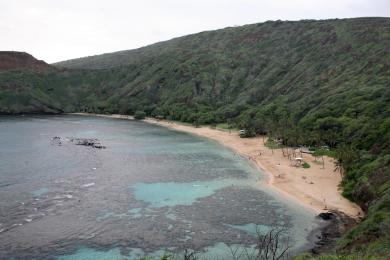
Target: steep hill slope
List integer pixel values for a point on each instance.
(309, 82)
(271, 37)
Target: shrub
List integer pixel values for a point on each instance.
(139, 115)
(272, 144)
(306, 165)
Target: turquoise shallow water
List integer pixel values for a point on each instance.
(152, 190)
(173, 193)
(91, 254)
(40, 192)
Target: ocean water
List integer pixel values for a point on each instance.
(151, 191)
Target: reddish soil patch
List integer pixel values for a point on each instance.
(12, 60)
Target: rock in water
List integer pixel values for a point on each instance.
(56, 140)
(337, 224)
(326, 215)
(93, 142)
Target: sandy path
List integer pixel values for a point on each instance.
(315, 188)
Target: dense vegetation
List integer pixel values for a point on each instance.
(308, 82)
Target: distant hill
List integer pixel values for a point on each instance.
(308, 82)
(116, 59)
(268, 36)
(13, 60)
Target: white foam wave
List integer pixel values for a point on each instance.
(88, 184)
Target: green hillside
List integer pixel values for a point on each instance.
(309, 82)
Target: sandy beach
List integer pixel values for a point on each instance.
(316, 188)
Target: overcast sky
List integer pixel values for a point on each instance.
(55, 30)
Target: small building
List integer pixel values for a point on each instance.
(298, 161)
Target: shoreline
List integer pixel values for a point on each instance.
(315, 188)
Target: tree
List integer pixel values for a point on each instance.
(346, 156)
(274, 244)
(139, 115)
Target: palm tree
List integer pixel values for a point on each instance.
(338, 167)
(346, 156)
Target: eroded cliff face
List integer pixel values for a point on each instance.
(13, 60)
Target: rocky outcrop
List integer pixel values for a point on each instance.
(91, 142)
(337, 223)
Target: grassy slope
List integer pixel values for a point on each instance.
(310, 82)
